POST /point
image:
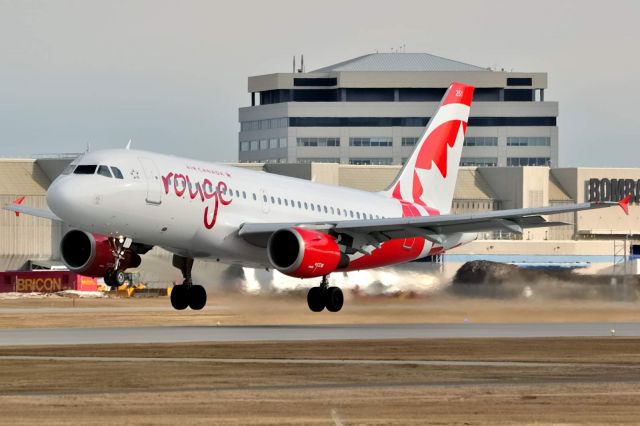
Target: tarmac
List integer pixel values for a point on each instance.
(183, 334)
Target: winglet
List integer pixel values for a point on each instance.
(624, 203)
(18, 202)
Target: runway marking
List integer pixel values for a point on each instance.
(315, 361)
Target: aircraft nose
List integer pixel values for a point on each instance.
(62, 197)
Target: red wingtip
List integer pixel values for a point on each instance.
(18, 202)
(624, 203)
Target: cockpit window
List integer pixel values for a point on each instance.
(104, 171)
(85, 169)
(69, 169)
(117, 173)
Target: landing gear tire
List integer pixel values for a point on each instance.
(114, 278)
(333, 299)
(119, 277)
(315, 299)
(197, 297)
(180, 297)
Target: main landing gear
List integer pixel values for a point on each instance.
(187, 294)
(324, 296)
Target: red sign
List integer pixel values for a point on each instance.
(45, 281)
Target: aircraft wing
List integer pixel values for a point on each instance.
(18, 208)
(433, 228)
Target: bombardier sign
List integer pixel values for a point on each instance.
(612, 189)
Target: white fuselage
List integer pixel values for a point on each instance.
(173, 203)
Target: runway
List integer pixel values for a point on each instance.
(182, 334)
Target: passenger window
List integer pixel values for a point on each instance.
(264, 198)
(338, 211)
(244, 195)
(358, 215)
(325, 209)
(312, 207)
(286, 202)
(273, 200)
(351, 212)
(279, 201)
(318, 206)
(117, 173)
(254, 197)
(332, 210)
(85, 169)
(306, 207)
(299, 205)
(237, 193)
(104, 171)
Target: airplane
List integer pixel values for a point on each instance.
(120, 203)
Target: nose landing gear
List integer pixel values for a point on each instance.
(324, 296)
(115, 277)
(187, 294)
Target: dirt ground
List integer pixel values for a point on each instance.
(239, 309)
(475, 381)
(549, 381)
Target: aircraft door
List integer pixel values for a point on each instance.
(154, 183)
(264, 199)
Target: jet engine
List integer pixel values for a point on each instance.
(305, 253)
(92, 255)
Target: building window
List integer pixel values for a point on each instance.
(314, 82)
(515, 81)
(371, 161)
(273, 143)
(318, 141)
(518, 95)
(373, 142)
(270, 123)
(415, 121)
(511, 121)
(409, 141)
(527, 161)
(283, 142)
(479, 161)
(264, 144)
(529, 141)
(309, 160)
(244, 146)
(481, 141)
(254, 145)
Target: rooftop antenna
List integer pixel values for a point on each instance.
(128, 145)
(301, 69)
(88, 147)
(294, 64)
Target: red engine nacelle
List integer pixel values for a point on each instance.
(305, 253)
(92, 255)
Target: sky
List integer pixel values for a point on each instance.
(171, 75)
